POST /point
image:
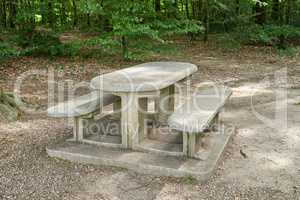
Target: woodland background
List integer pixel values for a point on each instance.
(135, 29)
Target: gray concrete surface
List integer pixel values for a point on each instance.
(144, 162)
(82, 105)
(145, 77)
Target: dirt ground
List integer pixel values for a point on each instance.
(262, 162)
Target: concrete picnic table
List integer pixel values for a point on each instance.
(135, 85)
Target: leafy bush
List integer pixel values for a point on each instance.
(37, 38)
(45, 43)
(289, 52)
(7, 51)
(106, 43)
(275, 35)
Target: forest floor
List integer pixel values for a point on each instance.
(260, 163)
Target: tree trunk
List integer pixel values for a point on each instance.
(176, 4)
(193, 9)
(124, 47)
(206, 20)
(88, 20)
(187, 9)
(237, 8)
(88, 15)
(288, 14)
(200, 7)
(3, 15)
(43, 12)
(12, 13)
(175, 9)
(63, 16)
(157, 5)
(260, 13)
(75, 17)
(32, 15)
(50, 13)
(275, 10)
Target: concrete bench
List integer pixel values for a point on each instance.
(81, 108)
(198, 114)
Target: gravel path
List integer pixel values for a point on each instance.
(26, 172)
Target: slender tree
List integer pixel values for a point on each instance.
(237, 7)
(88, 20)
(206, 19)
(3, 13)
(12, 13)
(289, 11)
(75, 17)
(200, 7)
(275, 10)
(63, 16)
(157, 5)
(193, 9)
(187, 9)
(50, 14)
(260, 12)
(43, 11)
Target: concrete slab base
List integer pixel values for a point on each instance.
(145, 162)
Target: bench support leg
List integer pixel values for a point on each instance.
(166, 103)
(215, 123)
(117, 108)
(80, 124)
(78, 129)
(189, 144)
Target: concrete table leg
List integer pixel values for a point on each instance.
(129, 120)
(76, 128)
(189, 144)
(185, 143)
(192, 145)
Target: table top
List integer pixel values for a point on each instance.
(145, 77)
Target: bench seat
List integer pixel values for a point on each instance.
(83, 109)
(82, 105)
(198, 114)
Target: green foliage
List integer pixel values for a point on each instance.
(288, 52)
(106, 43)
(7, 51)
(126, 25)
(279, 35)
(140, 48)
(137, 21)
(45, 43)
(274, 35)
(170, 27)
(36, 43)
(37, 38)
